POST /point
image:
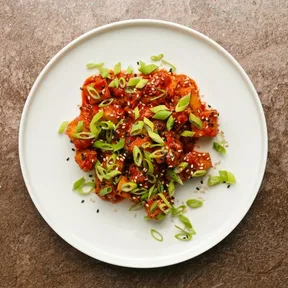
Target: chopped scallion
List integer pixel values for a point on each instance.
(183, 103)
(63, 127)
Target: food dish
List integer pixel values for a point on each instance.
(138, 133)
(48, 175)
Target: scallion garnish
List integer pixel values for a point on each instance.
(95, 119)
(151, 191)
(170, 64)
(174, 176)
(128, 186)
(104, 72)
(219, 148)
(81, 190)
(92, 91)
(214, 180)
(199, 173)
(178, 210)
(227, 177)
(79, 126)
(157, 57)
(148, 124)
(94, 65)
(141, 84)
(171, 188)
(147, 69)
(165, 200)
(111, 174)
(162, 115)
(137, 156)
(80, 182)
(153, 206)
(117, 68)
(151, 178)
(84, 135)
(119, 145)
(156, 235)
(106, 102)
(183, 236)
(196, 121)
(155, 137)
(63, 127)
(136, 206)
(187, 133)
(183, 103)
(106, 125)
(170, 123)
(133, 81)
(158, 153)
(158, 108)
(105, 191)
(103, 145)
(185, 221)
(159, 96)
(100, 171)
(122, 82)
(180, 167)
(147, 164)
(136, 113)
(114, 83)
(136, 128)
(129, 70)
(194, 203)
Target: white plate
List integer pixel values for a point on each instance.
(122, 237)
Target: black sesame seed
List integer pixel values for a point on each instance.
(170, 70)
(228, 186)
(135, 75)
(82, 201)
(197, 188)
(71, 141)
(97, 211)
(137, 62)
(90, 175)
(73, 149)
(103, 86)
(209, 106)
(81, 88)
(201, 182)
(67, 159)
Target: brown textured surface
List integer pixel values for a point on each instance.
(256, 252)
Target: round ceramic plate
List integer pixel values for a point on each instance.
(115, 234)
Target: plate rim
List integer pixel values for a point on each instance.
(127, 23)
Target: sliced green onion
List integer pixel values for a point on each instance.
(137, 128)
(199, 173)
(170, 64)
(155, 109)
(191, 231)
(63, 127)
(141, 63)
(155, 137)
(144, 196)
(165, 200)
(104, 72)
(185, 221)
(105, 191)
(137, 156)
(146, 145)
(180, 167)
(227, 177)
(102, 145)
(81, 190)
(147, 69)
(136, 113)
(122, 82)
(183, 103)
(133, 81)
(117, 68)
(114, 83)
(119, 145)
(92, 91)
(148, 124)
(178, 210)
(219, 148)
(156, 235)
(136, 206)
(214, 180)
(158, 153)
(160, 187)
(171, 188)
(139, 191)
(77, 184)
(109, 135)
(95, 119)
(151, 191)
(153, 206)
(170, 123)
(157, 57)
(94, 65)
(157, 145)
(151, 178)
(111, 174)
(106, 125)
(129, 70)
(130, 90)
(79, 126)
(119, 123)
(141, 84)
(128, 186)
(194, 203)
(196, 121)
(183, 236)
(173, 176)
(162, 115)
(100, 171)
(159, 96)
(187, 133)
(106, 102)
(148, 165)
(160, 217)
(84, 135)
(111, 161)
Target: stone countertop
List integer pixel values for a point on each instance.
(255, 253)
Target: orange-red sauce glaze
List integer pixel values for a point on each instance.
(177, 148)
